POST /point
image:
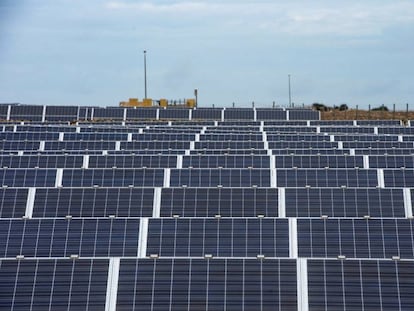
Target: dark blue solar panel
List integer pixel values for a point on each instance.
(170, 113)
(23, 112)
(360, 285)
(53, 284)
(133, 161)
(41, 161)
(95, 136)
(232, 137)
(194, 237)
(198, 284)
(344, 202)
(12, 203)
(19, 145)
(399, 178)
(141, 113)
(229, 145)
(63, 238)
(29, 136)
(28, 177)
(113, 178)
(80, 145)
(302, 144)
(156, 145)
(238, 114)
(303, 114)
(270, 114)
(207, 113)
(319, 161)
(167, 136)
(326, 178)
(226, 161)
(108, 113)
(101, 202)
(355, 238)
(391, 161)
(220, 177)
(209, 202)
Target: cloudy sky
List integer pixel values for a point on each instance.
(90, 52)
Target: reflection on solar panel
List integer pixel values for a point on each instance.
(204, 209)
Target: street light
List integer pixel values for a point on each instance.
(145, 73)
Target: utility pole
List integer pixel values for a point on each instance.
(145, 73)
(290, 93)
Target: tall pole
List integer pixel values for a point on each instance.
(145, 73)
(290, 94)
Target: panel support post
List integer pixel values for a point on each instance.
(293, 238)
(156, 206)
(281, 208)
(167, 175)
(112, 285)
(380, 175)
(302, 284)
(59, 177)
(407, 203)
(30, 202)
(143, 237)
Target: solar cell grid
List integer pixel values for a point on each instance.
(12, 203)
(220, 177)
(360, 285)
(209, 202)
(347, 202)
(198, 284)
(326, 178)
(63, 238)
(320, 161)
(53, 284)
(113, 178)
(101, 202)
(355, 238)
(226, 161)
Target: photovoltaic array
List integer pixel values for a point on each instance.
(204, 209)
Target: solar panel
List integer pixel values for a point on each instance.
(141, 113)
(27, 177)
(207, 113)
(197, 284)
(113, 178)
(133, 161)
(355, 238)
(84, 202)
(238, 114)
(270, 114)
(220, 178)
(326, 178)
(320, 161)
(346, 202)
(189, 237)
(170, 113)
(53, 284)
(226, 202)
(41, 161)
(12, 203)
(63, 237)
(226, 161)
(360, 285)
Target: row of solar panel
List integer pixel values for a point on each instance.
(204, 202)
(198, 122)
(212, 129)
(205, 178)
(204, 151)
(186, 145)
(197, 237)
(204, 161)
(56, 113)
(198, 284)
(206, 136)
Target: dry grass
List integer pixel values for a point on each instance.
(354, 114)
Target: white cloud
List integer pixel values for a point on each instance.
(293, 18)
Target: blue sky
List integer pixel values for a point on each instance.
(89, 52)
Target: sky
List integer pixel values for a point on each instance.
(90, 52)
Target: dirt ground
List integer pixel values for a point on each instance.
(354, 114)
